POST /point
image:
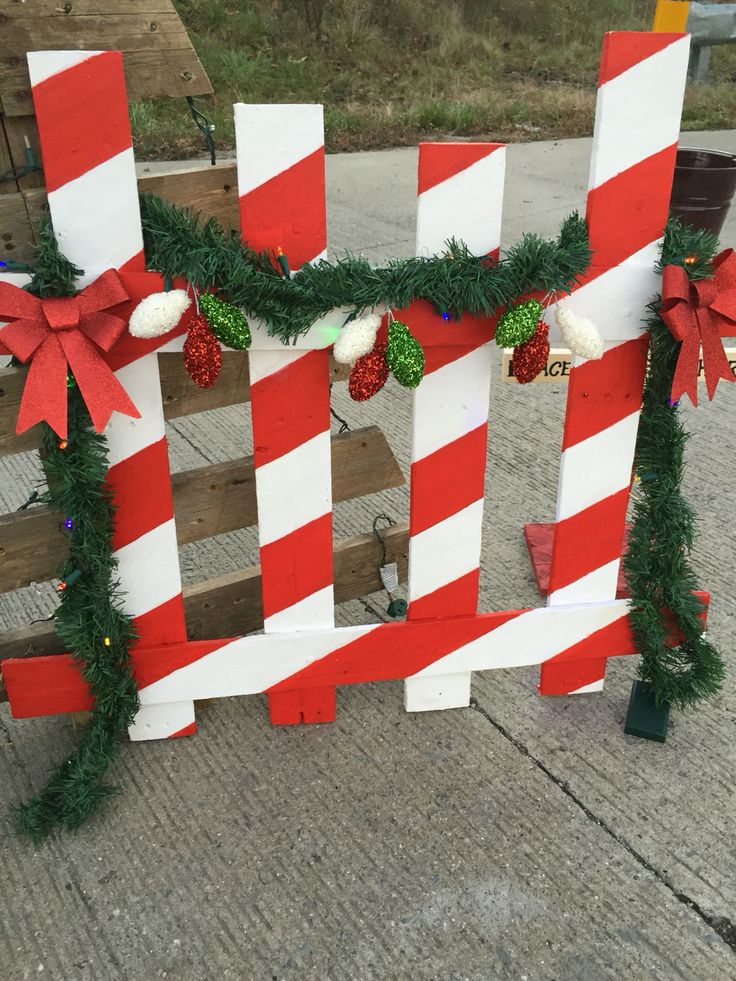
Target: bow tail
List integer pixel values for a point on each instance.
(685, 380)
(45, 392)
(715, 362)
(102, 392)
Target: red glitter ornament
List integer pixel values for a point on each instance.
(202, 353)
(530, 357)
(369, 374)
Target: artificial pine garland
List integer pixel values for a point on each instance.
(178, 244)
(89, 620)
(660, 578)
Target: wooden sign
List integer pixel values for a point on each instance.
(559, 363)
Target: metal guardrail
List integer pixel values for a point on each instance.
(707, 23)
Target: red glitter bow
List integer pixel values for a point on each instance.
(700, 313)
(73, 331)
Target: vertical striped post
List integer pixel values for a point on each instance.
(82, 114)
(460, 196)
(280, 153)
(641, 86)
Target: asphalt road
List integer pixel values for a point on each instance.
(522, 838)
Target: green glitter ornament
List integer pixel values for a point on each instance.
(226, 322)
(404, 355)
(518, 324)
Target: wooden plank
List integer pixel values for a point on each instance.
(6, 162)
(16, 231)
(211, 190)
(21, 132)
(208, 501)
(181, 397)
(158, 55)
(231, 605)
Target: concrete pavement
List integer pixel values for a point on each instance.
(523, 838)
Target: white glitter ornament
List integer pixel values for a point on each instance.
(579, 334)
(356, 339)
(158, 313)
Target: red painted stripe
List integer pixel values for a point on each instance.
(602, 393)
(448, 480)
(155, 663)
(163, 624)
(629, 211)
(624, 49)
(588, 540)
(440, 161)
(456, 599)
(395, 650)
(307, 705)
(288, 211)
(45, 686)
(585, 662)
(141, 488)
(137, 265)
(290, 406)
(445, 341)
(82, 115)
(297, 565)
(189, 730)
(564, 678)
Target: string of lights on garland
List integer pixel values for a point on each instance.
(231, 282)
(659, 574)
(89, 620)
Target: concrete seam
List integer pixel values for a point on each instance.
(721, 925)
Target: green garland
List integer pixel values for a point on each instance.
(89, 620)
(657, 565)
(179, 245)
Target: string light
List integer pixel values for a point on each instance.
(283, 262)
(69, 524)
(64, 443)
(690, 260)
(69, 581)
(106, 641)
(445, 315)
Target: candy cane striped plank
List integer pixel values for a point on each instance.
(641, 86)
(311, 660)
(82, 114)
(460, 196)
(280, 152)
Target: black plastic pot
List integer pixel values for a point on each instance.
(704, 185)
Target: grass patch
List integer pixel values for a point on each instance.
(392, 72)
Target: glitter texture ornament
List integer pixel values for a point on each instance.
(368, 374)
(530, 357)
(158, 313)
(226, 322)
(202, 353)
(579, 334)
(356, 339)
(518, 324)
(404, 355)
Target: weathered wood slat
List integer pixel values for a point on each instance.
(230, 605)
(158, 56)
(207, 501)
(211, 190)
(16, 233)
(181, 396)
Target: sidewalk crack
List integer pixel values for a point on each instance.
(724, 927)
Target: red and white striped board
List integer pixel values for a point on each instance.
(82, 114)
(640, 92)
(302, 657)
(460, 195)
(281, 182)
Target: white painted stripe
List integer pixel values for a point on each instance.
(530, 638)
(323, 333)
(314, 612)
(253, 664)
(597, 467)
(149, 570)
(106, 197)
(451, 402)
(594, 686)
(161, 721)
(430, 694)
(261, 364)
(616, 300)
(466, 206)
(250, 665)
(595, 587)
(44, 64)
(269, 139)
(297, 487)
(638, 112)
(127, 436)
(446, 551)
